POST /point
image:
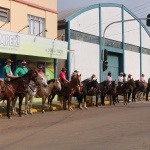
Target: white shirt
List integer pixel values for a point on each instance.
(108, 78)
(120, 79)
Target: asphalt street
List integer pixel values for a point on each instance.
(104, 128)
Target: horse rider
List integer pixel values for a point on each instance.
(124, 78)
(8, 75)
(142, 80)
(129, 77)
(74, 74)
(109, 78)
(40, 70)
(22, 69)
(120, 79)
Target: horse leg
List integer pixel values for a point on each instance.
(26, 104)
(69, 103)
(129, 94)
(43, 103)
(79, 97)
(8, 108)
(96, 100)
(30, 105)
(85, 102)
(14, 105)
(147, 91)
(50, 99)
(20, 104)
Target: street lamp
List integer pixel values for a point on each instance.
(23, 28)
(42, 32)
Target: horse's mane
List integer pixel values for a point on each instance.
(15, 79)
(49, 81)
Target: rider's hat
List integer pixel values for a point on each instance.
(8, 61)
(93, 75)
(109, 72)
(121, 73)
(142, 74)
(129, 75)
(76, 71)
(63, 69)
(23, 62)
(40, 66)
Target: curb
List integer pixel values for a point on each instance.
(55, 108)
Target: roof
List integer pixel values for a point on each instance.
(67, 13)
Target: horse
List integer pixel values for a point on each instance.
(89, 88)
(44, 92)
(12, 88)
(147, 91)
(32, 89)
(109, 89)
(73, 85)
(31, 75)
(103, 88)
(124, 89)
(70, 90)
(139, 89)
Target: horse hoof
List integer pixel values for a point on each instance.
(86, 108)
(31, 113)
(81, 108)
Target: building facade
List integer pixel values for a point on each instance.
(28, 31)
(127, 42)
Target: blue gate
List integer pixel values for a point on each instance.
(113, 66)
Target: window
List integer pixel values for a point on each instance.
(4, 14)
(36, 26)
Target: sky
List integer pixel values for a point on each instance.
(141, 8)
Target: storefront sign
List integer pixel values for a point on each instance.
(22, 44)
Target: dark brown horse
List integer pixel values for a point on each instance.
(31, 75)
(124, 89)
(11, 89)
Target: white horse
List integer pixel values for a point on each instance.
(32, 89)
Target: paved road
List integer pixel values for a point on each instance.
(103, 128)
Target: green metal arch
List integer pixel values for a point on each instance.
(105, 5)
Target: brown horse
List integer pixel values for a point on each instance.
(12, 88)
(73, 85)
(44, 92)
(66, 92)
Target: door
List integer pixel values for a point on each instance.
(113, 66)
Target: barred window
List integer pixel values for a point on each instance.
(4, 14)
(36, 25)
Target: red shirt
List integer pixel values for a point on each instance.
(62, 76)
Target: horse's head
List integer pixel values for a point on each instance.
(55, 83)
(32, 75)
(93, 83)
(42, 80)
(132, 83)
(23, 86)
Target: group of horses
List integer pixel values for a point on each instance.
(32, 84)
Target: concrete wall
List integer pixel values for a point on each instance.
(132, 64)
(87, 22)
(109, 15)
(85, 58)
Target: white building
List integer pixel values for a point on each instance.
(128, 43)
